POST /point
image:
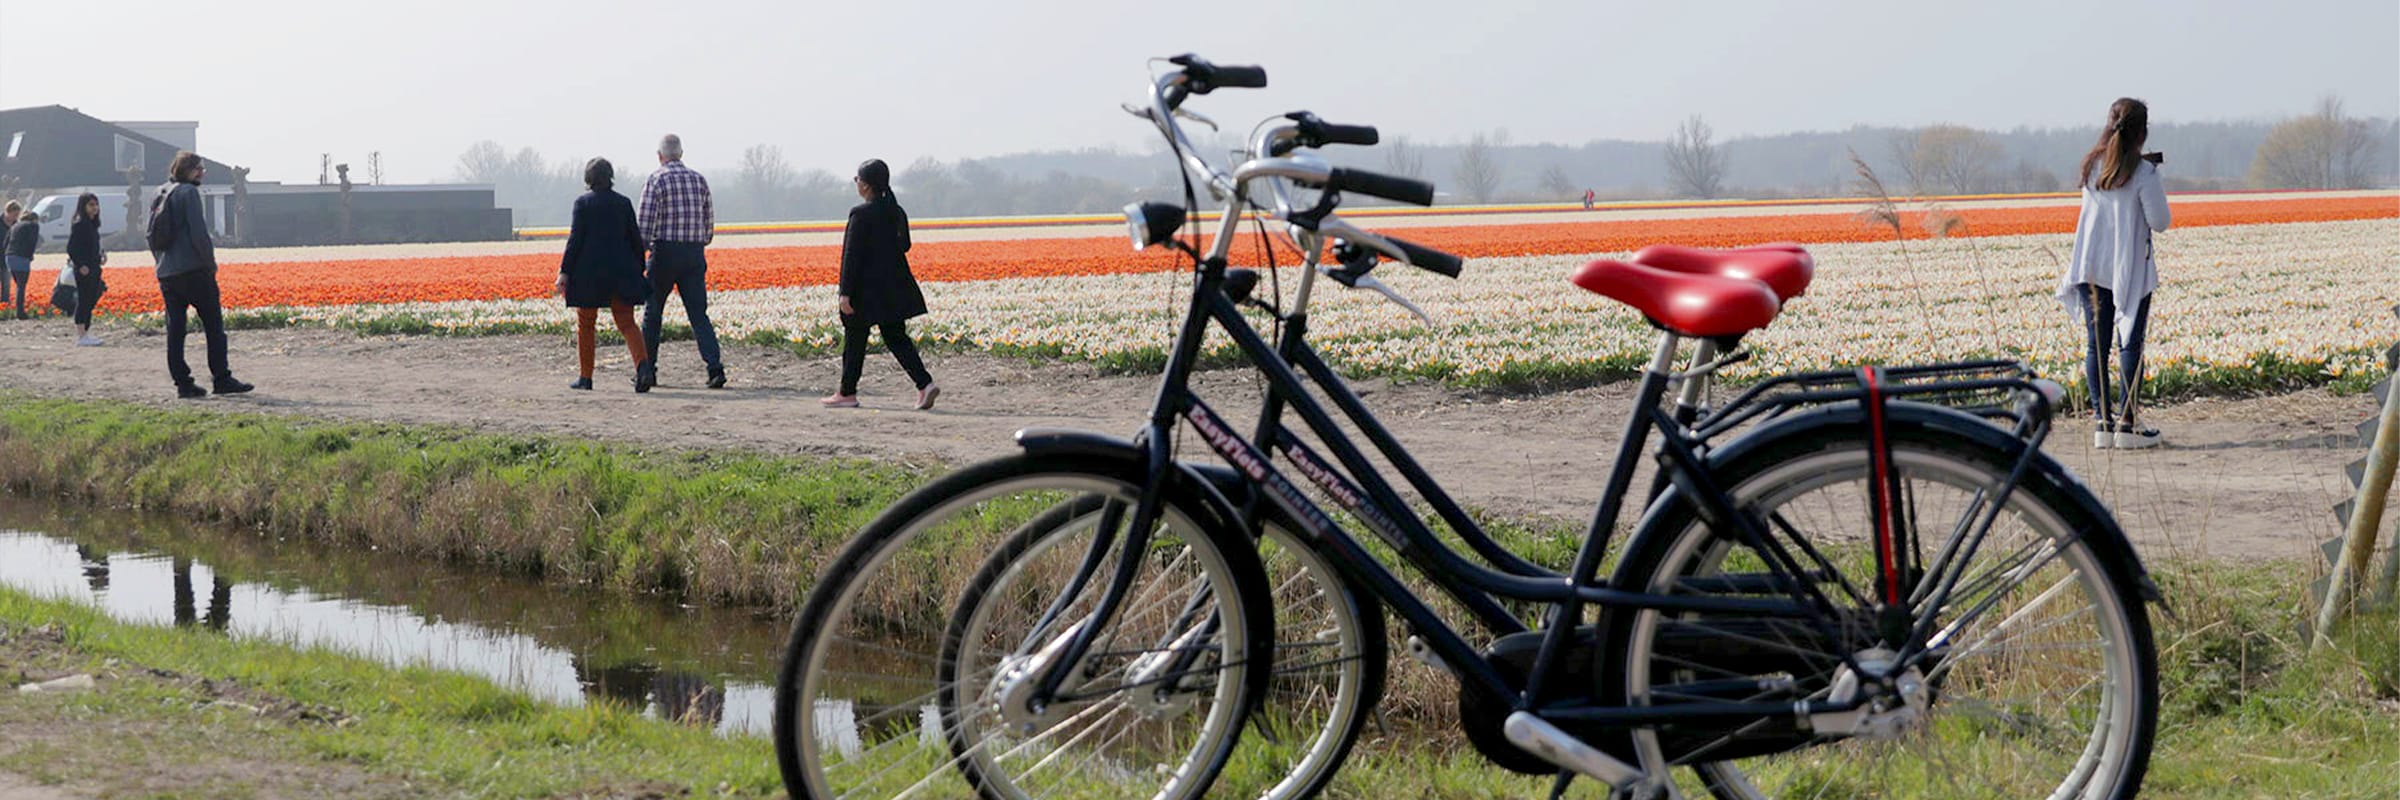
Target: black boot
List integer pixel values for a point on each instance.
(188, 391)
(644, 377)
(716, 377)
(584, 383)
(228, 385)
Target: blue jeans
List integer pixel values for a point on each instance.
(681, 267)
(2099, 327)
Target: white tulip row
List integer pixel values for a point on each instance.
(2312, 299)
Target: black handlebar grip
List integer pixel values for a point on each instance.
(1238, 77)
(1350, 134)
(1388, 187)
(1429, 259)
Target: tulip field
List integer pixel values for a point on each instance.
(2255, 294)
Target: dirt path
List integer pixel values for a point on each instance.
(2250, 478)
(19, 787)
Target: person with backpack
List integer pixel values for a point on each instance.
(2112, 271)
(877, 291)
(85, 259)
(187, 276)
(24, 237)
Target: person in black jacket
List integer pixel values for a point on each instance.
(603, 269)
(24, 237)
(877, 290)
(187, 278)
(84, 256)
(8, 222)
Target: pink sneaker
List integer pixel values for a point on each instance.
(926, 395)
(839, 401)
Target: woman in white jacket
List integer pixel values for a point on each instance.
(2108, 282)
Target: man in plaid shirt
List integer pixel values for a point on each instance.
(678, 220)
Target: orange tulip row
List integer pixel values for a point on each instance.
(439, 279)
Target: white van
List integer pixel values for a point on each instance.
(58, 214)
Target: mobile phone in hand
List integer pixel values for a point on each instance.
(2155, 158)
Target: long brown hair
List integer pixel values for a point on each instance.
(184, 164)
(2120, 145)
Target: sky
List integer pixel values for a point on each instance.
(274, 83)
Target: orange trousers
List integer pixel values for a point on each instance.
(587, 334)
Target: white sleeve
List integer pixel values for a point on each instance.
(2153, 197)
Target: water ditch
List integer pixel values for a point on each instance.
(706, 666)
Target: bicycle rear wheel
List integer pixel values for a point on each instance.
(2042, 681)
(899, 675)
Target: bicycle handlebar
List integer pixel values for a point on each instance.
(1308, 131)
(1427, 258)
(1406, 252)
(1388, 187)
(1205, 77)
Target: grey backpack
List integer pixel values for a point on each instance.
(162, 227)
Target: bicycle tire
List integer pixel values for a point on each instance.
(887, 586)
(1673, 547)
(1330, 658)
(1357, 669)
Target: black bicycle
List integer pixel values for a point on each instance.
(1849, 583)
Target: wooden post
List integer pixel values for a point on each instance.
(2366, 519)
(2387, 588)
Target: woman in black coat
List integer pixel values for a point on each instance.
(603, 269)
(876, 289)
(84, 256)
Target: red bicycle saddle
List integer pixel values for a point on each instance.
(1688, 303)
(1784, 268)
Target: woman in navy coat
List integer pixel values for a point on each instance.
(603, 269)
(877, 291)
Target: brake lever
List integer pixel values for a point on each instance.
(1388, 293)
(1196, 117)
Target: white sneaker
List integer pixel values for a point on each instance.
(2105, 437)
(2134, 437)
(88, 340)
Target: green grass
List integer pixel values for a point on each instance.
(2249, 710)
(726, 527)
(440, 734)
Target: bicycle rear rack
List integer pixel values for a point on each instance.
(2003, 391)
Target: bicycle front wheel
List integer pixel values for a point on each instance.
(904, 673)
(2039, 681)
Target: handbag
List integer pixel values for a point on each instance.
(62, 293)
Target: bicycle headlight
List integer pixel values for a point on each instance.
(1152, 223)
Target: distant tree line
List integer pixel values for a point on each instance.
(2325, 148)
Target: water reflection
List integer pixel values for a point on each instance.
(679, 696)
(711, 667)
(220, 595)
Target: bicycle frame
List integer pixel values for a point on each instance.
(1290, 365)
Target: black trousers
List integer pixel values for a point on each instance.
(895, 339)
(195, 292)
(88, 288)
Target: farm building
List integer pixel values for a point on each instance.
(55, 150)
